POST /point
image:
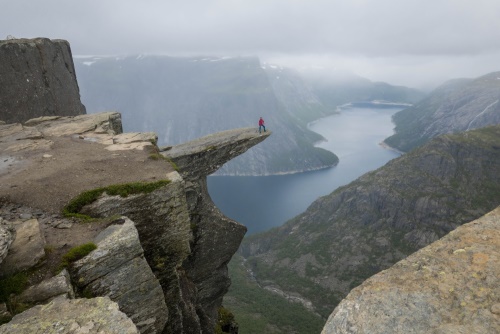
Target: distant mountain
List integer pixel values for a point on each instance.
(338, 89)
(382, 217)
(185, 98)
(458, 105)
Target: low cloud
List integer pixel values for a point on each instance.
(424, 40)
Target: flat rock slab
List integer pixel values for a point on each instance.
(48, 160)
(90, 316)
(203, 156)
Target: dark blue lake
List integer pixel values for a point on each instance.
(263, 202)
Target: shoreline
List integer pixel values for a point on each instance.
(386, 146)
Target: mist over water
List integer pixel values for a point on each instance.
(263, 202)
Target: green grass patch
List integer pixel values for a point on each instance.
(76, 204)
(77, 253)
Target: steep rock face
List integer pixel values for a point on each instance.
(187, 242)
(38, 79)
(51, 159)
(450, 286)
(216, 237)
(458, 105)
(365, 227)
(117, 269)
(92, 316)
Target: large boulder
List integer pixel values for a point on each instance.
(38, 79)
(26, 251)
(450, 286)
(90, 316)
(117, 269)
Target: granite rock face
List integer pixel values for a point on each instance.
(91, 316)
(38, 78)
(117, 269)
(450, 286)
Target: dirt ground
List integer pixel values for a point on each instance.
(39, 183)
(47, 179)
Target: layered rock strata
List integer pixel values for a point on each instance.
(38, 78)
(187, 242)
(450, 286)
(118, 270)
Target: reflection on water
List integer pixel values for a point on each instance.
(263, 202)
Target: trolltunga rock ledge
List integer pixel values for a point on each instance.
(203, 156)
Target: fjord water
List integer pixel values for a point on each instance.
(263, 202)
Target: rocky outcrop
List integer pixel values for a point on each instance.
(92, 316)
(458, 105)
(382, 217)
(57, 286)
(38, 79)
(26, 251)
(215, 237)
(450, 286)
(117, 269)
(187, 242)
(163, 262)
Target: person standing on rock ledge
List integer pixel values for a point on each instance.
(261, 124)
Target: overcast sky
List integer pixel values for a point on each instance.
(408, 42)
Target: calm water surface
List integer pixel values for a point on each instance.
(263, 202)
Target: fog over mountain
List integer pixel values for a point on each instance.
(183, 98)
(412, 43)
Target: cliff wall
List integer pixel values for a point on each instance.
(37, 79)
(183, 240)
(121, 219)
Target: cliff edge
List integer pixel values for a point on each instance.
(89, 211)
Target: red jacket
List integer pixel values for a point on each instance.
(261, 122)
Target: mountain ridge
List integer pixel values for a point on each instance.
(457, 105)
(385, 215)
